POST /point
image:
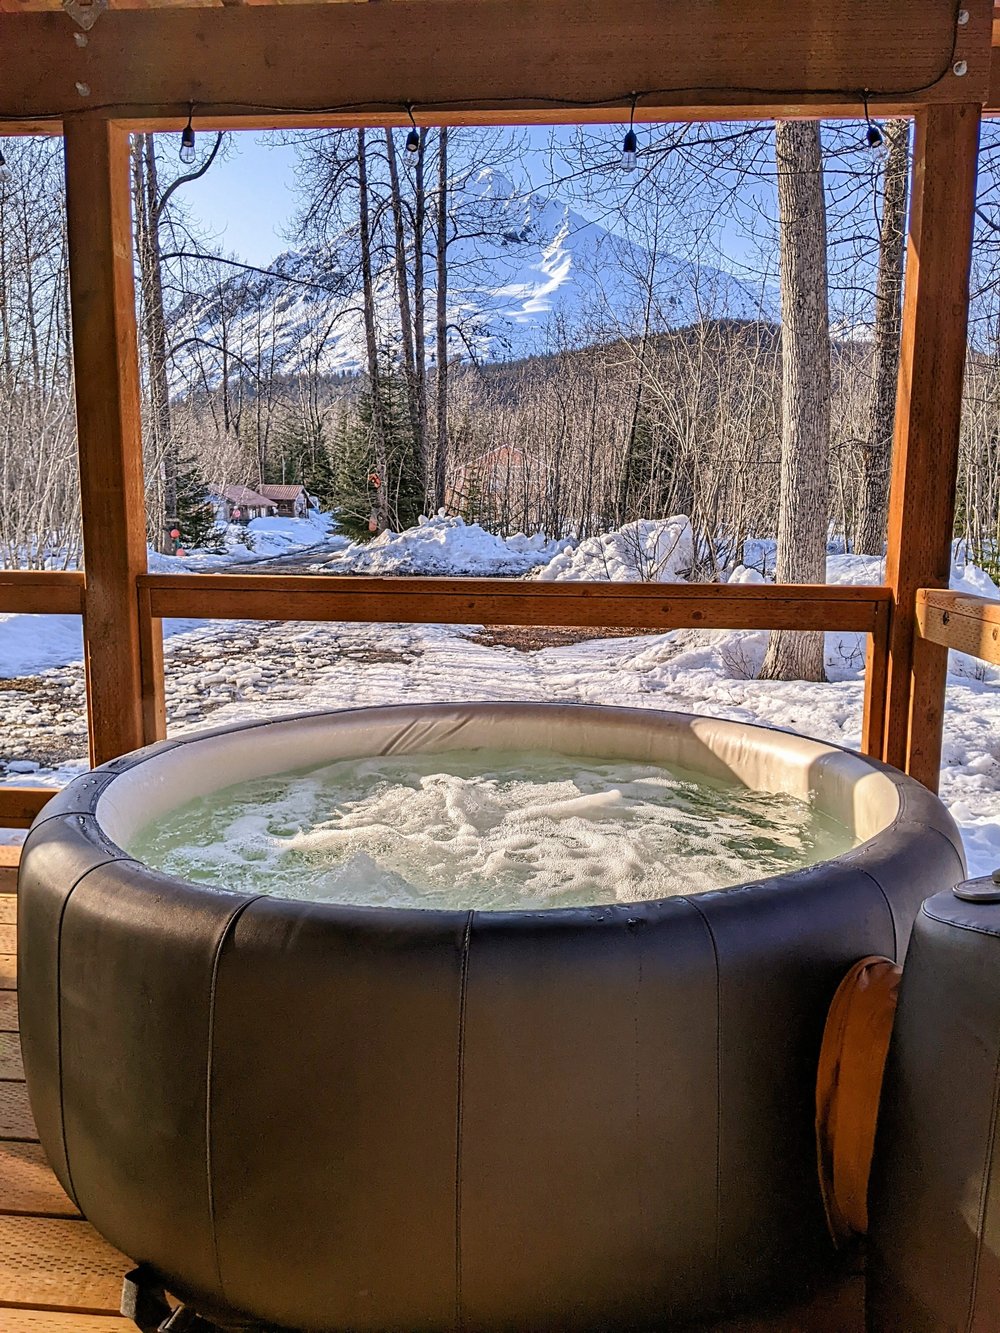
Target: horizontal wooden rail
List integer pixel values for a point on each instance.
(19, 805)
(46, 593)
(516, 602)
(957, 620)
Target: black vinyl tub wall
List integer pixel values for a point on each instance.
(342, 1118)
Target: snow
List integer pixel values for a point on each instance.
(30, 644)
(269, 538)
(531, 260)
(648, 551)
(444, 544)
(224, 671)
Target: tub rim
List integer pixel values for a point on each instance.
(912, 806)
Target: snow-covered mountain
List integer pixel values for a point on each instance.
(531, 264)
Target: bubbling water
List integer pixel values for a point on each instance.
(486, 829)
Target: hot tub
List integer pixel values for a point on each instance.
(333, 1118)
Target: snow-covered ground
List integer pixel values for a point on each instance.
(226, 671)
(260, 539)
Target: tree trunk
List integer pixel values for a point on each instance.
(419, 309)
(441, 339)
(877, 453)
(403, 292)
(371, 337)
(805, 390)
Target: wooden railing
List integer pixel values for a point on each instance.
(647, 606)
(957, 620)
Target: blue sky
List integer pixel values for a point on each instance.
(246, 200)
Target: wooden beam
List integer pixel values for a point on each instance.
(19, 805)
(515, 602)
(46, 593)
(928, 416)
(106, 375)
(154, 708)
(956, 620)
(527, 60)
(876, 683)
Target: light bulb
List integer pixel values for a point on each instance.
(5, 172)
(629, 148)
(187, 144)
(413, 141)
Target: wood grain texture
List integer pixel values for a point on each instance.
(46, 594)
(154, 710)
(876, 683)
(954, 620)
(28, 1185)
(61, 1264)
(18, 807)
(514, 602)
(928, 415)
(8, 1011)
(8, 971)
(59, 1321)
(10, 1056)
(15, 1112)
(462, 61)
(106, 377)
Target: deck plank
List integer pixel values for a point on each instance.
(8, 1011)
(8, 909)
(16, 1121)
(60, 1264)
(8, 938)
(28, 1184)
(58, 1321)
(8, 971)
(10, 1056)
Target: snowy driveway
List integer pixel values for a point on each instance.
(223, 671)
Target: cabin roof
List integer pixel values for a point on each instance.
(243, 495)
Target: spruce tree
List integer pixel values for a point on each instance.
(195, 518)
(372, 477)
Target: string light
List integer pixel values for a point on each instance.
(413, 138)
(873, 134)
(4, 170)
(187, 140)
(630, 144)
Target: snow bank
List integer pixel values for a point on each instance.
(269, 537)
(650, 550)
(30, 644)
(446, 544)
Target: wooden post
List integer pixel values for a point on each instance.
(928, 416)
(106, 372)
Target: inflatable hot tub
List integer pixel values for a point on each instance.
(346, 1118)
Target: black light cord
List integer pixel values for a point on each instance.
(623, 100)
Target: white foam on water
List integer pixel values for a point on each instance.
(486, 829)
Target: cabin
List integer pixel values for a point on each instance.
(241, 504)
(290, 501)
(83, 1136)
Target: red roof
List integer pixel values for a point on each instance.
(282, 492)
(243, 495)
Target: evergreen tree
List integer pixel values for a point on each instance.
(195, 518)
(372, 484)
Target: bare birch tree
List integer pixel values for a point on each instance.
(805, 390)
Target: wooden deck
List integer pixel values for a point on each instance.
(57, 1275)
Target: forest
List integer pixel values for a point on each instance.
(534, 336)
